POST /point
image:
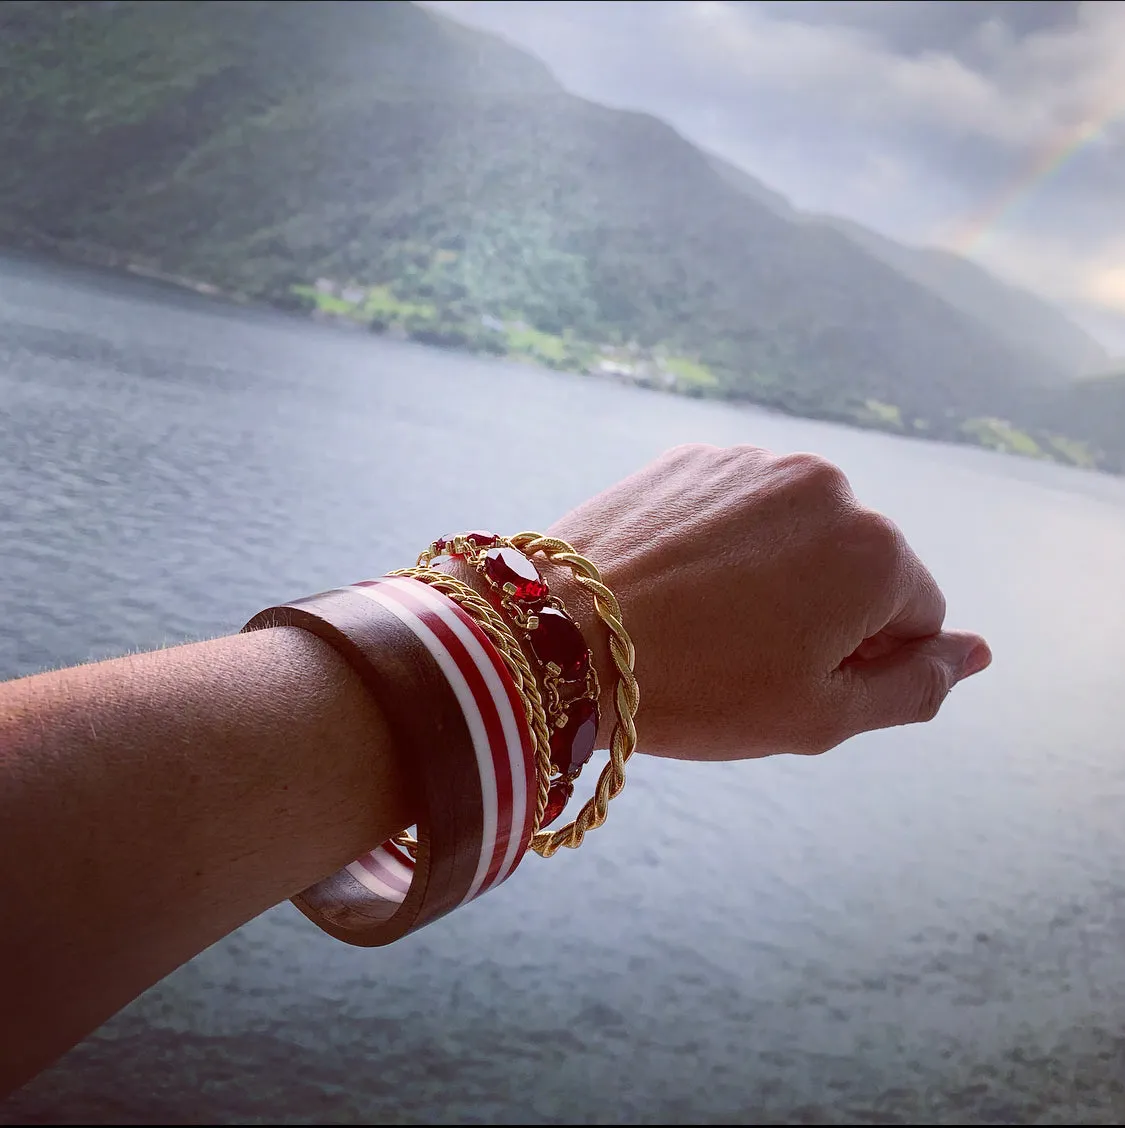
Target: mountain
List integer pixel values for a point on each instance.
(1025, 322)
(1095, 409)
(756, 190)
(378, 162)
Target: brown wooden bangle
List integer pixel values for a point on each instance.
(429, 726)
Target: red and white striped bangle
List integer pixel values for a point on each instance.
(457, 716)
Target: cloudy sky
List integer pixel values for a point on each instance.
(997, 129)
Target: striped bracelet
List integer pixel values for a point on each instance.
(471, 750)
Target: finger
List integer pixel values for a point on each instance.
(920, 608)
(909, 684)
(875, 647)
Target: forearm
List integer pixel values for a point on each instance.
(152, 804)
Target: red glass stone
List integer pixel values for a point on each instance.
(507, 566)
(557, 799)
(481, 538)
(573, 744)
(557, 639)
(478, 537)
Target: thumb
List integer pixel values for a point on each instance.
(911, 683)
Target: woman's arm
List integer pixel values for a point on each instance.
(151, 804)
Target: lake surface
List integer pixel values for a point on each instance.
(926, 923)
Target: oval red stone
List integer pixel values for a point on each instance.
(508, 566)
(557, 799)
(557, 639)
(573, 744)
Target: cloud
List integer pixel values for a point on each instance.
(1014, 89)
(1057, 269)
(916, 118)
(1106, 287)
(850, 74)
(1010, 87)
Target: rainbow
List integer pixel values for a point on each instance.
(1042, 166)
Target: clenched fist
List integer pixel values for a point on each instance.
(770, 610)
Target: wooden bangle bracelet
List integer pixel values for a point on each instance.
(458, 721)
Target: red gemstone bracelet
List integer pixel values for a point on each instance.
(566, 667)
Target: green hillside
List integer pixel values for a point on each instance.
(374, 162)
(1095, 409)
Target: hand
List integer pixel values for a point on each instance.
(770, 611)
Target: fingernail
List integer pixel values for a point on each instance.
(976, 660)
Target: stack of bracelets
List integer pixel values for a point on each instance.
(493, 742)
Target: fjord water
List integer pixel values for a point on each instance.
(928, 922)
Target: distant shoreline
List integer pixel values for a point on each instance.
(117, 263)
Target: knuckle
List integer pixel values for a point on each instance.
(686, 452)
(938, 597)
(815, 471)
(750, 451)
(876, 533)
